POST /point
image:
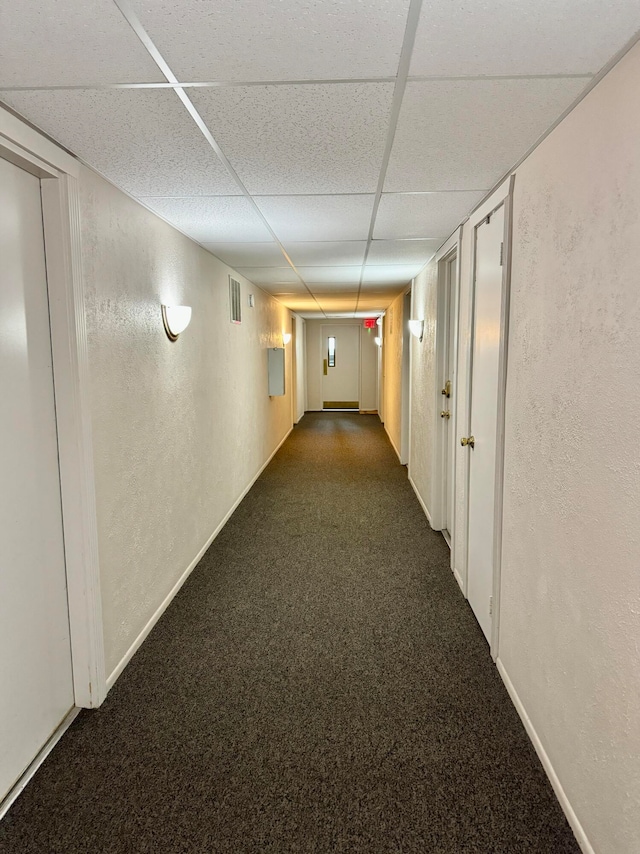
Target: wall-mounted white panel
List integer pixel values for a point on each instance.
(288, 40)
(143, 140)
(503, 37)
(426, 215)
(209, 219)
(248, 254)
(323, 253)
(402, 251)
(301, 139)
(331, 274)
(269, 275)
(465, 134)
(392, 274)
(66, 43)
(276, 371)
(325, 218)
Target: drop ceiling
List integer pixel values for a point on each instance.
(322, 148)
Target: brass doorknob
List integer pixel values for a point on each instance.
(470, 441)
(445, 414)
(446, 391)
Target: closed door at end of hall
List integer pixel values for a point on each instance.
(341, 367)
(36, 690)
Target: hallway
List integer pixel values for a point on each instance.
(318, 685)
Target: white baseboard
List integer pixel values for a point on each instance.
(393, 444)
(458, 578)
(572, 818)
(18, 788)
(422, 504)
(176, 587)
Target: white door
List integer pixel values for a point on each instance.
(341, 367)
(484, 415)
(36, 690)
(448, 398)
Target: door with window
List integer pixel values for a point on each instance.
(481, 443)
(36, 689)
(341, 366)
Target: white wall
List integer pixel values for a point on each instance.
(570, 613)
(368, 363)
(301, 368)
(570, 592)
(180, 429)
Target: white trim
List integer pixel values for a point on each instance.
(135, 646)
(458, 578)
(34, 144)
(419, 497)
(572, 818)
(27, 775)
(393, 444)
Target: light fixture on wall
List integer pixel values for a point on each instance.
(416, 328)
(286, 337)
(176, 318)
(378, 341)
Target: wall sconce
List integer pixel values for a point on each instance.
(286, 337)
(176, 318)
(378, 341)
(416, 328)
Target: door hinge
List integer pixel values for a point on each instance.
(501, 254)
(490, 606)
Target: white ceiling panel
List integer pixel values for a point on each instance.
(324, 218)
(431, 215)
(402, 251)
(300, 139)
(287, 40)
(311, 275)
(393, 274)
(322, 254)
(465, 134)
(504, 37)
(141, 139)
(210, 219)
(248, 254)
(67, 43)
(269, 275)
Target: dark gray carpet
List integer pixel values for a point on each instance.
(319, 685)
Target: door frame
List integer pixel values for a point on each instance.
(321, 357)
(59, 173)
(504, 196)
(452, 248)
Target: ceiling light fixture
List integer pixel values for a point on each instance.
(175, 318)
(416, 328)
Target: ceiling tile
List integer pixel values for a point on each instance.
(66, 43)
(324, 218)
(432, 215)
(300, 139)
(248, 254)
(287, 40)
(210, 219)
(465, 134)
(392, 274)
(402, 251)
(546, 37)
(323, 253)
(331, 274)
(141, 139)
(269, 275)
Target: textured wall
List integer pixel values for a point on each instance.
(179, 428)
(392, 370)
(423, 377)
(570, 608)
(301, 369)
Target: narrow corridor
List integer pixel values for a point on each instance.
(318, 685)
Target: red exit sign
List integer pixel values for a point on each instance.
(370, 323)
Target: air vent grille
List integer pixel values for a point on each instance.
(234, 300)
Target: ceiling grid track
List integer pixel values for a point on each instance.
(132, 19)
(413, 18)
